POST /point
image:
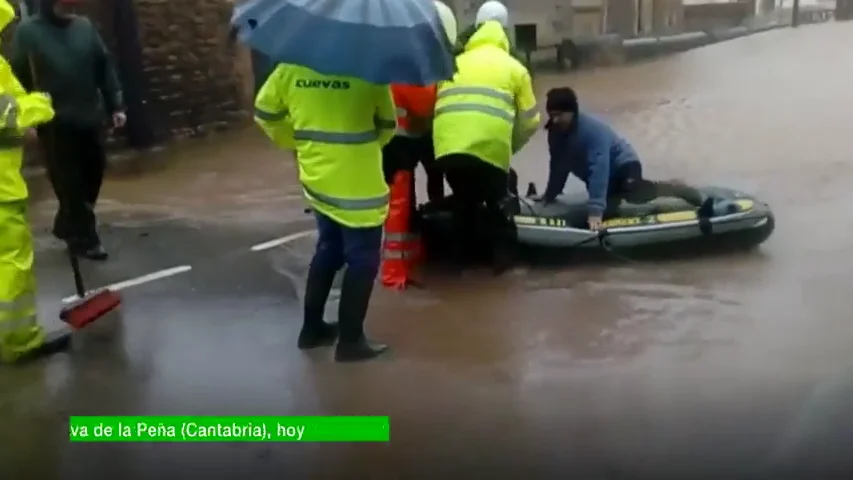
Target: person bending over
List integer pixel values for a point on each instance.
(483, 115)
(588, 148)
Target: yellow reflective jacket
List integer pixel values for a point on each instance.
(19, 111)
(338, 126)
(488, 109)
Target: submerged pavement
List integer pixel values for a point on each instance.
(727, 367)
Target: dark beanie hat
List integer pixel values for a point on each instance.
(562, 99)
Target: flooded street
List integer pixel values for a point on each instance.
(738, 366)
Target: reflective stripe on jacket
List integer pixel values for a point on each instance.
(488, 109)
(413, 102)
(337, 125)
(19, 111)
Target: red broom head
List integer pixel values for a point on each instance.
(92, 307)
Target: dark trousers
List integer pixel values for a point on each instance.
(476, 183)
(338, 245)
(76, 162)
(404, 153)
(627, 183)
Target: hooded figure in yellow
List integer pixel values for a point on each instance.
(484, 115)
(337, 125)
(20, 333)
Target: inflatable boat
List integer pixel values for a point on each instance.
(664, 225)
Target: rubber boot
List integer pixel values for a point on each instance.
(55, 341)
(503, 236)
(353, 346)
(89, 249)
(502, 257)
(97, 253)
(315, 331)
(460, 248)
(706, 210)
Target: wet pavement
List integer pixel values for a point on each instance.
(728, 367)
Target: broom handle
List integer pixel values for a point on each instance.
(75, 263)
(78, 276)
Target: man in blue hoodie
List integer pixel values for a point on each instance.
(588, 148)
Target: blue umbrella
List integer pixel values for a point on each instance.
(381, 41)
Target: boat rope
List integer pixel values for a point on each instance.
(602, 237)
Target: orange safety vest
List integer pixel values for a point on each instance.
(412, 101)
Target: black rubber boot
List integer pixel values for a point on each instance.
(460, 250)
(706, 210)
(503, 236)
(353, 346)
(315, 331)
(89, 250)
(55, 341)
(97, 253)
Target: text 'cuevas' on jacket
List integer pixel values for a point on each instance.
(337, 125)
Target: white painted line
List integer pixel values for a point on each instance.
(159, 275)
(281, 241)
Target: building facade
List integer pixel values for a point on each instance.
(552, 18)
(556, 20)
(193, 77)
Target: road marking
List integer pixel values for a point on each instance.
(281, 241)
(170, 272)
(158, 275)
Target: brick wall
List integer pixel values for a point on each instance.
(194, 73)
(190, 62)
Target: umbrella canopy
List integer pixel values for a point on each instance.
(380, 41)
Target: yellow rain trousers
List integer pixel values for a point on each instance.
(19, 329)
